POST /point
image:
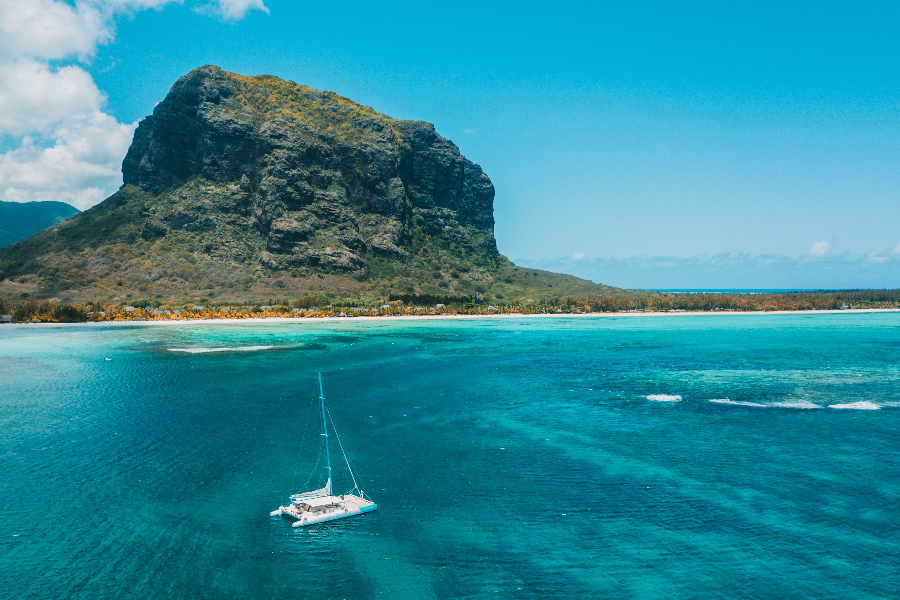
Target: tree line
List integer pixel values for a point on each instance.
(819, 300)
(30, 311)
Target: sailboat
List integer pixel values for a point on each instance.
(319, 506)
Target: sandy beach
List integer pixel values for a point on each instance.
(170, 322)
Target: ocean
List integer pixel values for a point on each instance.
(688, 456)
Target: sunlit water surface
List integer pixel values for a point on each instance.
(676, 457)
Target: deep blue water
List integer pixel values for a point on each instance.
(509, 458)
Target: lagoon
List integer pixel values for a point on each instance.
(745, 456)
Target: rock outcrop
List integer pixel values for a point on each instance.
(324, 180)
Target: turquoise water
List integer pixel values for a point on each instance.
(508, 457)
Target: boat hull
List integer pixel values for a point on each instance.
(349, 507)
(342, 513)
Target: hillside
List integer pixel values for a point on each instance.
(21, 220)
(240, 189)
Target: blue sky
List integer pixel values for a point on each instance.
(631, 144)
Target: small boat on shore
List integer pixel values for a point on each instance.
(321, 505)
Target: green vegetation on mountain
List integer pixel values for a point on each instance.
(100, 255)
(21, 220)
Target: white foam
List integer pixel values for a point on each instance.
(224, 349)
(736, 402)
(797, 404)
(857, 405)
(664, 398)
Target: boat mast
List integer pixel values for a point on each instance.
(325, 430)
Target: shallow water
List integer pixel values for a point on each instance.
(681, 457)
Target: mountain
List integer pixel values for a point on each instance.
(21, 220)
(240, 189)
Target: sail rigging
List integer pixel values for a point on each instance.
(325, 433)
(320, 505)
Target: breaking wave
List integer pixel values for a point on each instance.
(224, 349)
(796, 404)
(865, 405)
(664, 398)
(736, 402)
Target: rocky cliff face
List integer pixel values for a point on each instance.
(322, 179)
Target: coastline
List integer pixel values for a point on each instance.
(446, 317)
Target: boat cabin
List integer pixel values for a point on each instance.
(320, 504)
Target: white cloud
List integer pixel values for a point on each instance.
(896, 250)
(35, 98)
(124, 6)
(577, 256)
(232, 10)
(68, 148)
(469, 131)
(49, 29)
(80, 167)
(820, 248)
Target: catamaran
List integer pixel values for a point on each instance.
(319, 506)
